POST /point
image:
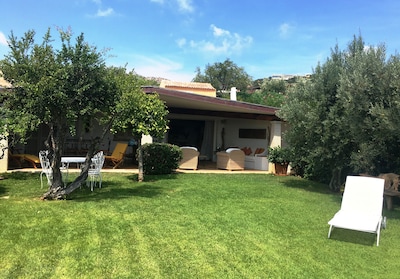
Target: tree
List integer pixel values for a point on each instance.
(57, 88)
(223, 76)
(137, 112)
(345, 119)
(271, 93)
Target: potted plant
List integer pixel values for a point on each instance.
(281, 157)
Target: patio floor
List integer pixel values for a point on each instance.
(128, 167)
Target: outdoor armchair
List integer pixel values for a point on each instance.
(18, 159)
(190, 158)
(117, 156)
(231, 159)
(361, 208)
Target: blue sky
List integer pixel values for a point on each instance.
(170, 38)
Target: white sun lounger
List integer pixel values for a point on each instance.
(362, 205)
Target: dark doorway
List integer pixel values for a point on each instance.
(186, 132)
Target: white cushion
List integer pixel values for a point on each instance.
(189, 147)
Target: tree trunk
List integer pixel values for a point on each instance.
(57, 190)
(140, 160)
(336, 178)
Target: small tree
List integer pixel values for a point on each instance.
(223, 76)
(57, 88)
(138, 112)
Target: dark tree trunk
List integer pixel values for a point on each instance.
(336, 180)
(140, 160)
(58, 190)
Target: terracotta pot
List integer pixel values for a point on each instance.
(281, 169)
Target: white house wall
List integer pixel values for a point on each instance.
(231, 128)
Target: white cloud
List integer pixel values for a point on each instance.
(218, 32)
(160, 67)
(101, 12)
(181, 42)
(3, 39)
(105, 13)
(285, 30)
(185, 5)
(224, 42)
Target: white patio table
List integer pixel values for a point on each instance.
(65, 161)
(77, 160)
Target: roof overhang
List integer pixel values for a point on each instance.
(179, 102)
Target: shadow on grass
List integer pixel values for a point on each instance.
(2, 190)
(113, 190)
(19, 175)
(355, 237)
(308, 185)
(116, 193)
(153, 178)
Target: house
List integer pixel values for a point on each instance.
(197, 118)
(4, 85)
(200, 88)
(211, 123)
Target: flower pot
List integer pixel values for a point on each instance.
(281, 169)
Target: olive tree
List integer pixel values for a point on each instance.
(223, 76)
(57, 88)
(345, 119)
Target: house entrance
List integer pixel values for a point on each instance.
(196, 133)
(186, 132)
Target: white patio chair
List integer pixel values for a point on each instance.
(361, 207)
(94, 172)
(46, 168)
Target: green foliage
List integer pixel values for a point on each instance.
(57, 88)
(138, 112)
(271, 93)
(160, 158)
(280, 155)
(223, 76)
(346, 118)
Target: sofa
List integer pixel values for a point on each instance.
(231, 159)
(256, 161)
(190, 158)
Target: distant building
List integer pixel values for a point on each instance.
(205, 89)
(288, 77)
(4, 84)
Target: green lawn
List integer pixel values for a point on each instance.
(187, 226)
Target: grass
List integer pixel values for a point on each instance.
(187, 226)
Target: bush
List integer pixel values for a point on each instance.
(279, 155)
(160, 158)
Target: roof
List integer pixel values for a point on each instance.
(4, 83)
(198, 85)
(188, 103)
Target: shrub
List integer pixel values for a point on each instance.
(160, 158)
(279, 155)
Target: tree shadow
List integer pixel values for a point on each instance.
(2, 190)
(307, 185)
(352, 236)
(113, 190)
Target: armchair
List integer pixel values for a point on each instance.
(231, 159)
(190, 158)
